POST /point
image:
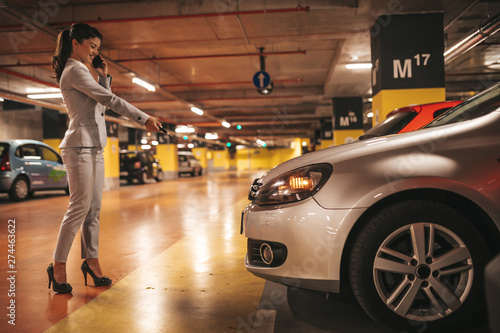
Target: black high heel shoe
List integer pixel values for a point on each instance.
(98, 281)
(57, 287)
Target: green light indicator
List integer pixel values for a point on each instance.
(185, 137)
(238, 127)
(228, 144)
(264, 145)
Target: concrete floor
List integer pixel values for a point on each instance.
(175, 254)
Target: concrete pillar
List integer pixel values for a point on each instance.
(348, 119)
(112, 158)
(201, 153)
(167, 154)
(407, 61)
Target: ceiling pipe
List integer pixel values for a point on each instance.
(175, 17)
(29, 78)
(210, 84)
(211, 56)
(468, 43)
(260, 54)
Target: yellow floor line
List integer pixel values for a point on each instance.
(199, 284)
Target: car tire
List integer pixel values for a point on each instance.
(19, 190)
(144, 177)
(159, 176)
(200, 172)
(404, 283)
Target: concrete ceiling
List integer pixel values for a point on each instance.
(205, 53)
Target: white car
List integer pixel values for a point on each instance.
(408, 221)
(188, 163)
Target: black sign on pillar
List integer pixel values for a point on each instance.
(326, 129)
(407, 52)
(348, 113)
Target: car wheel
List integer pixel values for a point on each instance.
(193, 173)
(19, 190)
(200, 172)
(419, 265)
(144, 177)
(159, 176)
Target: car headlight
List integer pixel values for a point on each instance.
(291, 186)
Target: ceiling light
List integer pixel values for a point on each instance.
(197, 110)
(45, 96)
(33, 90)
(226, 124)
(144, 84)
(154, 143)
(183, 129)
(304, 143)
(370, 115)
(191, 145)
(211, 136)
(144, 141)
(145, 147)
(1, 99)
(359, 66)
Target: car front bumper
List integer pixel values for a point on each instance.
(314, 238)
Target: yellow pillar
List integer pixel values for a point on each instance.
(201, 154)
(325, 144)
(407, 62)
(111, 164)
(54, 143)
(167, 154)
(221, 160)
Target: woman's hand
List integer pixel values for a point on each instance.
(102, 70)
(153, 125)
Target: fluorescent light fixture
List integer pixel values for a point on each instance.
(1, 99)
(45, 96)
(359, 66)
(211, 136)
(304, 143)
(144, 141)
(181, 146)
(33, 90)
(183, 129)
(370, 115)
(145, 147)
(370, 99)
(144, 84)
(197, 110)
(226, 124)
(191, 145)
(154, 143)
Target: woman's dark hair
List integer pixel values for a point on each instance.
(78, 31)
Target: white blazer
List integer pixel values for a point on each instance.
(86, 101)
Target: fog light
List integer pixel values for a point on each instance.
(266, 253)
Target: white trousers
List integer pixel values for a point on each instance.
(85, 168)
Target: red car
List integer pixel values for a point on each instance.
(409, 118)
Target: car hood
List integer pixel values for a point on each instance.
(398, 142)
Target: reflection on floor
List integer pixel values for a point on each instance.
(173, 250)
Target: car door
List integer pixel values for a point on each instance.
(54, 168)
(31, 162)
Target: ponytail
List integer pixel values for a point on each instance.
(63, 51)
(78, 31)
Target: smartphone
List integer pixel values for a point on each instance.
(97, 61)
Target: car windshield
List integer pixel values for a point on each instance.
(391, 125)
(477, 106)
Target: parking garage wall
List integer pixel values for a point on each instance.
(21, 124)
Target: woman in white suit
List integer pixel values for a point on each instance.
(82, 147)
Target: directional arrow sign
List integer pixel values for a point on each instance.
(261, 79)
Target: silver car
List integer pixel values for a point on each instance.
(188, 163)
(408, 221)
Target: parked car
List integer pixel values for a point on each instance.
(27, 166)
(409, 221)
(409, 118)
(189, 164)
(141, 166)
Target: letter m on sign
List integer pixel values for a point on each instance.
(401, 71)
(344, 121)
